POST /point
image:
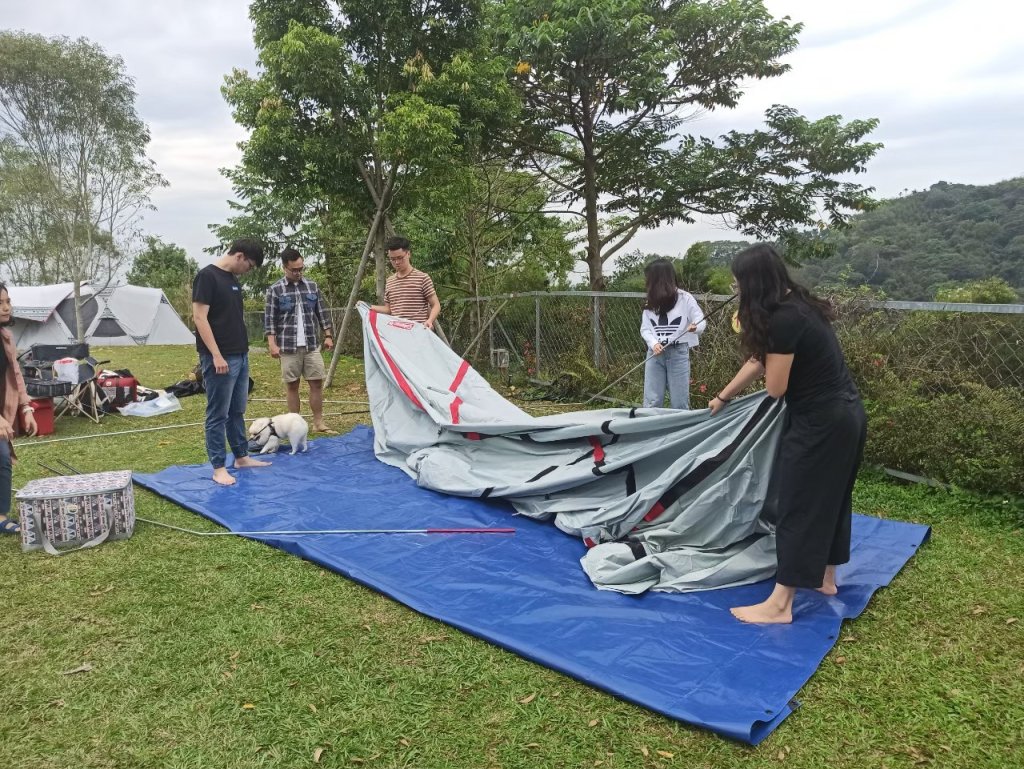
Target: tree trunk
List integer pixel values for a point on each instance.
(371, 237)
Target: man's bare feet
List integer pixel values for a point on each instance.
(223, 477)
(828, 585)
(322, 429)
(250, 462)
(763, 614)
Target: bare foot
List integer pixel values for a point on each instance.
(223, 477)
(250, 462)
(828, 585)
(322, 429)
(763, 614)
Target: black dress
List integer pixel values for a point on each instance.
(821, 448)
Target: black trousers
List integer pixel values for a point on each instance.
(815, 469)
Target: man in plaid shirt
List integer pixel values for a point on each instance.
(293, 314)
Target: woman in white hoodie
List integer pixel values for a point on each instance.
(670, 325)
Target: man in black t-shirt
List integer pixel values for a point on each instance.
(223, 346)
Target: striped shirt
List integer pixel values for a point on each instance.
(409, 297)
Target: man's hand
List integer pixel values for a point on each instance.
(6, 431)
(275, 351)
(657, 349)
(220, 365)
(328, 343)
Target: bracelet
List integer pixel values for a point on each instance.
(28, 408)
(723, 400)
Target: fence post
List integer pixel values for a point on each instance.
(490, 340)
(596, 323)
(536, 329)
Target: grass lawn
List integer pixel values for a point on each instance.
(222, 652)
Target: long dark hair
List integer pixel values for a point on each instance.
(3, 288)
(763, 281)
(662, 287)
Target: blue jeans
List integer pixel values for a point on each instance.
(226, 398)
(5, 477)
(671, 368)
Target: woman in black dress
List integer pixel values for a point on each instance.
(788, 336)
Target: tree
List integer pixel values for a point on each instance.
(167, 267)
(73, 158)
(607, 86)
(359, 104)
(987, 291)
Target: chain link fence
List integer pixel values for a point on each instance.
(587, 340)
(943, 383)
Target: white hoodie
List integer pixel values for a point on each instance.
(664, 327)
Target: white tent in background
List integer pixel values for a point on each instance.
(117, 315)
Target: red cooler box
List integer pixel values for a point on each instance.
(43, 408)
(120, 390)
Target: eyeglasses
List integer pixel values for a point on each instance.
(295, 270)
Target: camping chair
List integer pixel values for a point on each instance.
(85, 397)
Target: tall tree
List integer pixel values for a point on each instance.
(356, 105)
(68, 124)
(608, 85)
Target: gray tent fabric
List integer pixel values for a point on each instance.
(665, 500)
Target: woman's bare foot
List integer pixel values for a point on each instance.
(777, 609)
(763, 614)
(322, 429)
(828, 585)
(250, 462)
(223, 477)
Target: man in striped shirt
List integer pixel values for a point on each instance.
(409, 293)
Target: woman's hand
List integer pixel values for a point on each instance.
(657, 349)
(716, 404)
(692, 328)
(30, 423)
(6, 431)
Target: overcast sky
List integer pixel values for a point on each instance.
(944, 77)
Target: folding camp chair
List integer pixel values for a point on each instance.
(85, 397)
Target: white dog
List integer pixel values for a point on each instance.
(269, 432)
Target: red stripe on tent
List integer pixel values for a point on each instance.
(455, 409)
(391, 364)
(657, 510)
(460, 376)
(598, 449)
(473, 436)
(589, 542)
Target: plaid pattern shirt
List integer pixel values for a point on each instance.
(280, 314)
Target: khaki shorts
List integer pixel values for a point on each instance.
(305, 363)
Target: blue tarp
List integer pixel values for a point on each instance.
(682, 655)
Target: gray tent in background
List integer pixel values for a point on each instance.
(665, 500)
(117, 315)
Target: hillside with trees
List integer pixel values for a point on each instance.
(921, 245)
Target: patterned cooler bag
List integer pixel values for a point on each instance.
(74, 512)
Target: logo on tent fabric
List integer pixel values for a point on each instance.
(403, 324)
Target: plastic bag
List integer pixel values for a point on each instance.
(162, 404)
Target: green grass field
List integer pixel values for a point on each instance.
(173, 651)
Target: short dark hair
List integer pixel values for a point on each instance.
(250, 248)
(397, 243)
(290, 255)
